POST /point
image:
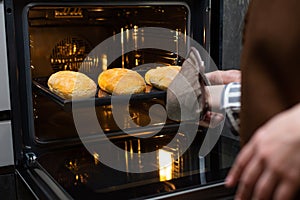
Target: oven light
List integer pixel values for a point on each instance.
(100, 19)
(97, 9)
(165, 165)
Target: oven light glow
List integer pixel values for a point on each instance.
(100, 19)
(74, 48)
(136, 62)
(185, 34)
(96, 158)
(104, 62)
(122, 46)
(97, 9)
(131, 150)
(139, 146)
(126, 157)
(122, 37)
(127, 34)
(204, 35)
(165, 165)
(96, 61)
(135, 37)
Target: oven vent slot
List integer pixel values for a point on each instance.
(68, 13)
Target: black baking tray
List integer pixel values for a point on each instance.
(101, 97)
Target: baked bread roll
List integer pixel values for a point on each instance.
(121, 81)
(72, 85)
(161, 77)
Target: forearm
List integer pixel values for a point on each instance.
(226, 98)
(215, 95)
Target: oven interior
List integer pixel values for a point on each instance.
(62, 38)
(65, 37)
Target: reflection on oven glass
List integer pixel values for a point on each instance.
(165, 165)
(79, 175)
(96, 158)
(76, 170)
(136, 114)
(84, 169)
(104, 62)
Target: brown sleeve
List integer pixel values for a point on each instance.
(270, 62)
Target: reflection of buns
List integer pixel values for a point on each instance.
(70, 84)
(121, 81)
(161, 77)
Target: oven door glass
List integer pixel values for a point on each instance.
(79, 173)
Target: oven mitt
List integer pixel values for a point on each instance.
(186, 95)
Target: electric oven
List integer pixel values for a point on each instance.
(68, 149)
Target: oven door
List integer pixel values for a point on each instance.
(133, 162)
(75, 173)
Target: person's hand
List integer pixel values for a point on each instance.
(268, 166)
(221, 77)
(211, 120)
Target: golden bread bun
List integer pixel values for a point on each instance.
(72, 85)
(161, 77)
(121, 81)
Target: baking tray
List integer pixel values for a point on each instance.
(101, 97)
